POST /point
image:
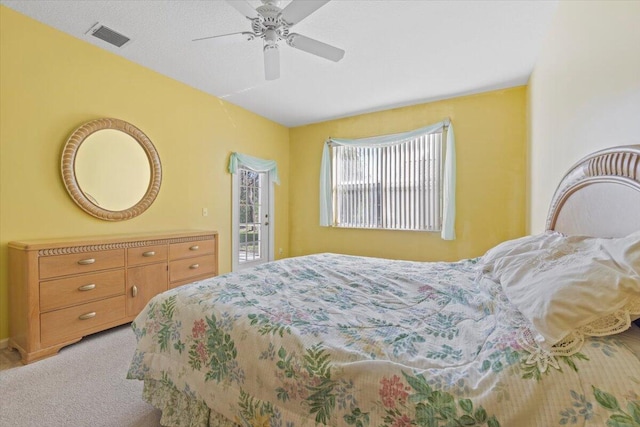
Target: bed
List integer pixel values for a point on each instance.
(537, 332)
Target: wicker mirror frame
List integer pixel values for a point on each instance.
(69, 177)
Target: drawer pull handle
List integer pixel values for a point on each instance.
(87, 287)
(134, 291)
(194, 248)
(87, 316)
(194, 266)
(87, 261)
(150, 253)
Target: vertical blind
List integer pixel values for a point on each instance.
(396, 186)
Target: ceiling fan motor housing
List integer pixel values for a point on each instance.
(270, 19)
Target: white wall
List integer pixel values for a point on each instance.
(584, 93)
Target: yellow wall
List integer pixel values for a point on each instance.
(50, 83)
(584, 93)
(490, 139)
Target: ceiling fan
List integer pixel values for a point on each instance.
(273, 24)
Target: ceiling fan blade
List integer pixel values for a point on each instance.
(225, 39)
(271, 62)
(315, 47)
(297, 10)
(244, 8)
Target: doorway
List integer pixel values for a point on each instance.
(252, 218)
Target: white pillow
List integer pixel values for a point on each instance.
(570, 286)
(503, 255)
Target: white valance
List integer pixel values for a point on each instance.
(449, 172)
(255, 164)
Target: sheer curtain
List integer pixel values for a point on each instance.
(449, 171)
(256, 164)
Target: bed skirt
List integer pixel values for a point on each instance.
(180, 410)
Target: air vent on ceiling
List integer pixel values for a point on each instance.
(107, 34)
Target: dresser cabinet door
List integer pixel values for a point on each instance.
(143, 283)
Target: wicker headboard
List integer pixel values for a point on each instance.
(600, 195)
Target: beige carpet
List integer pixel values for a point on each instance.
(84, 385)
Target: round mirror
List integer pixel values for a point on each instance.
(111, 169)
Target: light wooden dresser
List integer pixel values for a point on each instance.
(63, 290)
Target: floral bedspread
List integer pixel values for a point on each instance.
(341, 340)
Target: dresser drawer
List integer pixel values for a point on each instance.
(191, 249)
(86, 262)
(146, 255)
(80, 289)
(74, 322)
(191, 267)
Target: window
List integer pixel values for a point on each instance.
(399, 182)
(395, 186)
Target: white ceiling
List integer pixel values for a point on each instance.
(398, 52)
